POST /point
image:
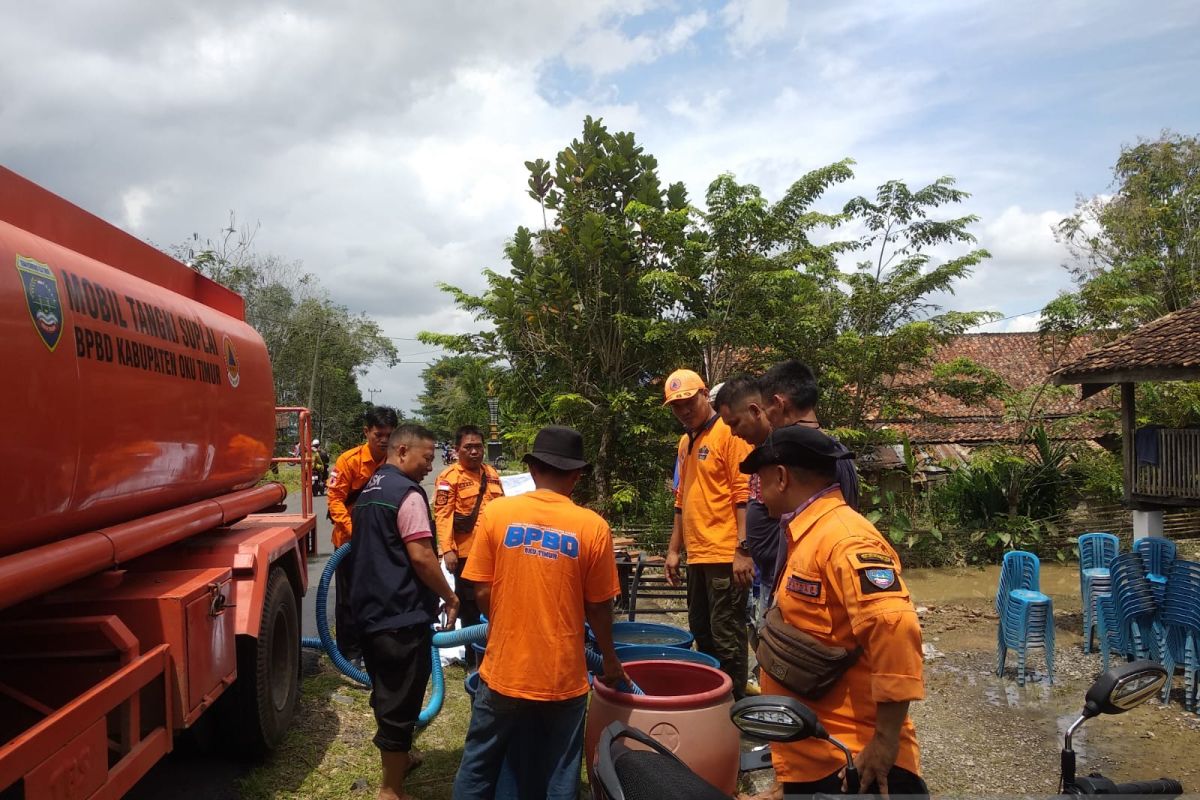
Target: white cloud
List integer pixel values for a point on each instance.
(753, 22)
(382, 146)
(1017, 235)
(609, 50)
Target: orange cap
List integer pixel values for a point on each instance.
(682, 384)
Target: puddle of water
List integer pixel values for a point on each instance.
(970, 585)
(1079, 741)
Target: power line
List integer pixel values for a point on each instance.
(1012, 316)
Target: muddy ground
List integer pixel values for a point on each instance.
(981, 734)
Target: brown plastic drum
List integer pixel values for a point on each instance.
(685, 707)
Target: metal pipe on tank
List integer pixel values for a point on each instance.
(43, 569)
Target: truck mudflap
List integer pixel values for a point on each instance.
(108, 732)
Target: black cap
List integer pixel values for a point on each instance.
(559, 447)
(795, 446)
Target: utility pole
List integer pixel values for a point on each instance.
(373, 392)
(312, 381)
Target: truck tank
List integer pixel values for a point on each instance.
(134, 384)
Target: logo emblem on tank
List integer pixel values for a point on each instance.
(42, 299)
(231, 363)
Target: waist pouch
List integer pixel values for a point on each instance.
(798, 661)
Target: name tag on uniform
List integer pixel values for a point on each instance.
(802, 587)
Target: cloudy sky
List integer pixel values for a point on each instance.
(381, 143)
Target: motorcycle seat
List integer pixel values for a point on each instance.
(646, 775)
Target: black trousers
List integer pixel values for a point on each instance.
(468, 609)
(344, 631)
(901, 782)
(717, 618)
(399, 663)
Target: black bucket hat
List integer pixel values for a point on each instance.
(559, 447)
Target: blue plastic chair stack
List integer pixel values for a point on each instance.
(1026, 615)
(1180, 618)
(1125, 615)
(1096, 552)
(1158, 554)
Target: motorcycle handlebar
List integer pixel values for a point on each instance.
(1160, 786)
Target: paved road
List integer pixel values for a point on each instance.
(192, 776)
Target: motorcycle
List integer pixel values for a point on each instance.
(648, 770)
(318, 482)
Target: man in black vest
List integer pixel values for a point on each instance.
(394, 596)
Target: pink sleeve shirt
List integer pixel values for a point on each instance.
(412, 520)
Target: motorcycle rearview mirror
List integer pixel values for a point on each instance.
(1124, 687)
(1121, 688)
(775, 718)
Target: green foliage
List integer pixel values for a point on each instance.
(625, 282)
(888, 326)
(456, 392)
(1099, 476)
(1135, 257)
(1135, 254)
(318, 348)
(574, 319)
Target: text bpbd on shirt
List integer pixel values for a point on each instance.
(543, 543)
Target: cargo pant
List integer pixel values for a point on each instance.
(717, 618)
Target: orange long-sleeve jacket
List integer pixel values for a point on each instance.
(350, 474)
(457, 492)
(841, 584)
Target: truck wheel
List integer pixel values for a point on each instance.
(263, 699)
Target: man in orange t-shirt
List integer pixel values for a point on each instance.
(541, 565)
(840, 584)
(710, 524)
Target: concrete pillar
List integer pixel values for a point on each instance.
(1147, 523)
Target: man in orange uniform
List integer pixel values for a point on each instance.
(710, 524)
(463, 490)
(541, 565)
(350, 474)
(841, 585)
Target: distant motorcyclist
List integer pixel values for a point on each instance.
(320, 460)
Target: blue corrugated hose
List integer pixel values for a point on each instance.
(325, 641)
(464, 636)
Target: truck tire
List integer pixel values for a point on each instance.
(263, 699)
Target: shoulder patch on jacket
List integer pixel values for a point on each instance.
(877, 580)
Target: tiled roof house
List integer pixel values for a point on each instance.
(1024, 361)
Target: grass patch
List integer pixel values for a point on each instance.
(328, 751)
(289, 476)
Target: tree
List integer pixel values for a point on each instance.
(574, 317)
(1135, 256)
(318, 349)
(744, 272)
(456, 392)
(889, 325)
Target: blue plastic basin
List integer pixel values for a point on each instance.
(656, 652)
(653, 633)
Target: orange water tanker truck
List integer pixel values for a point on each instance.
(150, 582)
